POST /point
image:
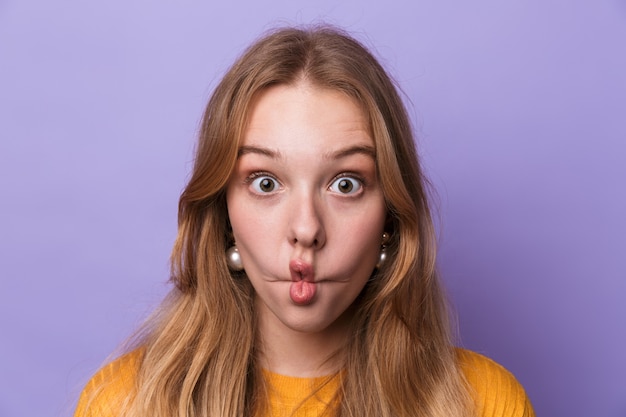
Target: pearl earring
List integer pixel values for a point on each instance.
(233, 259)
(382, 257)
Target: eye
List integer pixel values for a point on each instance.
(264, 184)
(346, 185)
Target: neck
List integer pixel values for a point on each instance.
(290, 352)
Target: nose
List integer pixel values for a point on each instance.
(306, 225)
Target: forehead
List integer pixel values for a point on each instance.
(286, 114)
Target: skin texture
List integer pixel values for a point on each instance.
(305, 204)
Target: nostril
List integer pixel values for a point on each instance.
(306, 237)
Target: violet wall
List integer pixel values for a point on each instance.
(520, 109)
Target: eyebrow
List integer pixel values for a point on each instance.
(243, 150)
(352, 150)
(341, 153)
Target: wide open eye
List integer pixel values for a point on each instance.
(264, 184)
(346, 185)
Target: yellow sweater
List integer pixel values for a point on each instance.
(496, 392)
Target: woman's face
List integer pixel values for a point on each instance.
(306, 209)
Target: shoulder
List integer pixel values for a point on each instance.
(496, 391)
(107, 391)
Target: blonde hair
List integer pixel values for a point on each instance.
(199, 350)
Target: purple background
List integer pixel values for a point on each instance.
(520, 108)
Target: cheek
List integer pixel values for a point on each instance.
(359, 241)
(251, 228)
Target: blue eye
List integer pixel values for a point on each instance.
(346, 185)
(264, 184)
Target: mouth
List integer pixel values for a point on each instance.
(301, 271)
(303, 288)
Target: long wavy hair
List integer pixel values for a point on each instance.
(199, 356)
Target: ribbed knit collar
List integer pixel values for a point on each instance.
(310, 396)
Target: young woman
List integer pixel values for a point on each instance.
(304, 267)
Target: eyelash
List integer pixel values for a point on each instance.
(351, 176)
(250, 179)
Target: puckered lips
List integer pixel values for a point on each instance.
(302, 289)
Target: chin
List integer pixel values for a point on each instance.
(311, 321)
(308, 326)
